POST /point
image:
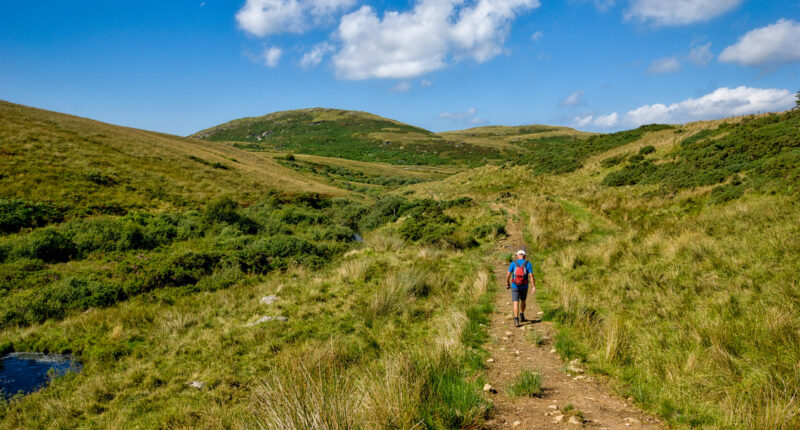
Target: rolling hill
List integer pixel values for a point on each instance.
(347, 134)
(92, 167)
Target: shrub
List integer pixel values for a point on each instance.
(613, 161)
(493, 229)
(725, 193)
(222, 210)
(16, 214)
(46, 244)
(649, 149)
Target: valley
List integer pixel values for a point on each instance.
(216, 281)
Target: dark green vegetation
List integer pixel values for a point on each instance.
(195, 250)
(346, 134)
(345, 177)
(754, 152)
(564, 154)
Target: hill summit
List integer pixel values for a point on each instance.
(347, 134)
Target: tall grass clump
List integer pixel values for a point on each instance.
(526, 384)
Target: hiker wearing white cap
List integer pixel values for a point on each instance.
(520, 272)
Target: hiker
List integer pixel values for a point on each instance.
(520, 274)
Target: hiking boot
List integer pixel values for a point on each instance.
(516, 322)
(522, 317)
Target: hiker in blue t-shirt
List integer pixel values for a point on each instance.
(520, 274)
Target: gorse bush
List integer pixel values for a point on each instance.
(16, 214)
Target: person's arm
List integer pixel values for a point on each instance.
(532, 281)
(508, 280)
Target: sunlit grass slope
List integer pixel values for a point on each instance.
(670, 264)
(92, 167)
(148, 257)
(347, 134)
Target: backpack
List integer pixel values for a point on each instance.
(520, 274)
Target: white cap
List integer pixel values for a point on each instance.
(520, 252)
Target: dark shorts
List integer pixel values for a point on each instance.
(519, 294)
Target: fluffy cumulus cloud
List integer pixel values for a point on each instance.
(773, 44)
(573, 99)
(664, 65)
(722, 102)
(426, 38)
(677, 12)
(265, 17)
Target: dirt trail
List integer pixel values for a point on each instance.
(512, 350)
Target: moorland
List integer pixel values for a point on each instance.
(333, 268)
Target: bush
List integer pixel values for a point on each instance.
(649, 149)
(613, 161)
(222, 210)
(493, 229)
(16, 214)
(46, 244)
(726, 193)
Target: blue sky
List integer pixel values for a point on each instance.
(602, 65)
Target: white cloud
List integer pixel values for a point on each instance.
(773, 44)
(677, 12)
(424, 39)
(701, 55)
(426, 83)
(573, 99)
(401, 87)
(536, 36)
(271, 56)
(583, 121)
(264, 17)
(721, 103)
(313, 57)
(664, 65)
(607, 121)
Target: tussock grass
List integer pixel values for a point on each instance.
(526, 383)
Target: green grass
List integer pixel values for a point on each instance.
(684, 296)
(526, 384)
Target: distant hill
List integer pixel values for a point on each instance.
(92, 167)
(348, 134)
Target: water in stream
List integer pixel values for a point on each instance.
(27, 372)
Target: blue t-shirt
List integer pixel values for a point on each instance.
(513, 265)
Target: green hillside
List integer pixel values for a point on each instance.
(205, 285)
(669, 262)
(347, 134)
(147, 257)
(87, 167)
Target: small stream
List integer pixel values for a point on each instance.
(27, 372)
